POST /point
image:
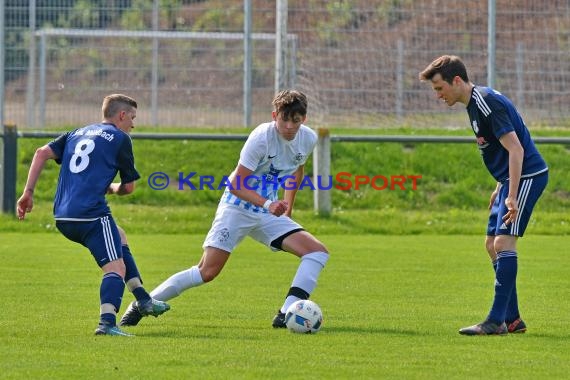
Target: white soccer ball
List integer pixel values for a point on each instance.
(304, 316)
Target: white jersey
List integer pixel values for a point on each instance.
(272, 160)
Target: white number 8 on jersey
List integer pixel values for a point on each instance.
(80, 158)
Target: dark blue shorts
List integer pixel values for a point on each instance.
(530, 190)
(100, 236)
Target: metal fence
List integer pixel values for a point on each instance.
(357, 60)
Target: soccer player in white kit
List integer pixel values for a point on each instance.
(273, 157)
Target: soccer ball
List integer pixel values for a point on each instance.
(304, 317)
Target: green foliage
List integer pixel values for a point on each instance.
(392, 308)
(391, 12)
(220, 16)
(340, 15)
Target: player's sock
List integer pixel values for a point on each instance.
(135, 286)
(513, 312)
(111, 294)
(177, 283)
(305, 279)
(505, 280)
(132, 276)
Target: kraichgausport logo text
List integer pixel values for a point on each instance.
(341, 181)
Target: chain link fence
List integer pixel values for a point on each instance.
(358, 61)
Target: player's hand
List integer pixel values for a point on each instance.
(512, 210)
(25, 204)
(278, 208)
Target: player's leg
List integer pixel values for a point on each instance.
(530, 191)
(512, 316)
(133, 279)
(505, 303)
(228, 229)
(102, 239)
(211, 264)
(505, 274)
(144, 304)
(314, 257)
(282, 233)
(514, 322)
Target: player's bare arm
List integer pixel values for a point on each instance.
(291, 191)
(494, 195)
(121, 188)
(516, 153)
(240, 189)
(25, 203)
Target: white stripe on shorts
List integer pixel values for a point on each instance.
(109, 243)
(523, 195)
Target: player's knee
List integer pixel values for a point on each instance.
(505, 243)
(117, 266)
(322, 248)
(314, 245)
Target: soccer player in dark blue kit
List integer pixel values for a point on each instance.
(521, 173)
(90, 158)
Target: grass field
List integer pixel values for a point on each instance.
(407, 270)
(392, 307)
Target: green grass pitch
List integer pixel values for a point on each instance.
(392, 307)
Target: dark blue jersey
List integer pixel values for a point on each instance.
(90, 159)
(493, 115)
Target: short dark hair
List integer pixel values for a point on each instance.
(449, 66)
(114, 103)
(290, 103)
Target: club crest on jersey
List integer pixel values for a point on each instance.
(299, 157)
(273, 174)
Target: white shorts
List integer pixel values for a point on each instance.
(231, 224)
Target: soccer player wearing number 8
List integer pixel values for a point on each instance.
(511, 157)
(90, 158)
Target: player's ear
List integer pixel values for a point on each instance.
(274, 115)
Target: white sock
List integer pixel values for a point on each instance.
(307, 275)
(177, 283)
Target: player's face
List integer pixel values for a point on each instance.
(288, 128)
(449, 93)
(127, 120)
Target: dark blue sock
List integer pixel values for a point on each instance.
(111, 291)
(505, 279)
(131, 272)
(513, 309)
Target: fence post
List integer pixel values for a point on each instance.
(322, 170)
(8, 169)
